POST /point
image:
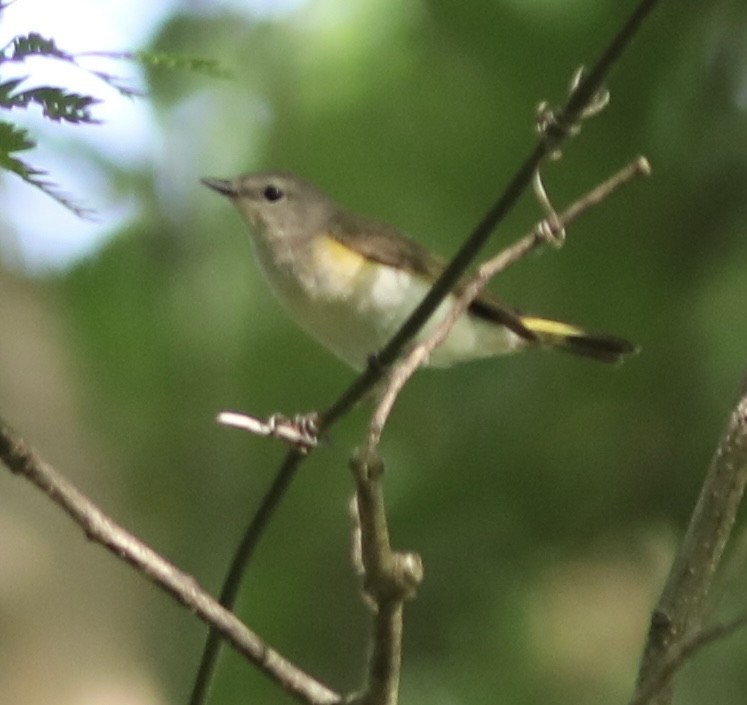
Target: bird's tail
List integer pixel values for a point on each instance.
(563, 336)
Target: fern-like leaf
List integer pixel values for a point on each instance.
(7, 96)
(33, 44)
(63, 106)
(15, 139)
(59, 105)
(161, 59)
(56, 104)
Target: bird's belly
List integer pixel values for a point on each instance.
(353, 307)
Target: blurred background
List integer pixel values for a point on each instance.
(546, 494)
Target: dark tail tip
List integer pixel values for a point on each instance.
(603, 348)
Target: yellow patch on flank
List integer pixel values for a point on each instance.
(336, 265)
(544, 325)
(332, 253)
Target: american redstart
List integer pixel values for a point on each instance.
(351, 281)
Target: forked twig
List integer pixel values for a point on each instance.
(389, 579)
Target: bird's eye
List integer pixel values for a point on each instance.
(272, 193)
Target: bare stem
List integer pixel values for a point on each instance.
(389, 578)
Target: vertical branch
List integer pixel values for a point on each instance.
(679, 612)
(389, 578)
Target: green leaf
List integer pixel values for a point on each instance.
(162, 59)
(7, 99)
(15, 139)
(59, 105)
(56, 104)
(63, 106)
(33, 44)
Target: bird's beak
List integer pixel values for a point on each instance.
(227, 188)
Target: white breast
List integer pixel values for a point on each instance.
(353, 306)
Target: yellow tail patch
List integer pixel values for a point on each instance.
(563, 336)
(548, 327)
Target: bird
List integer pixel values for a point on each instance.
(350, 281)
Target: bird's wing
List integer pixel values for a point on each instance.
(382, 243)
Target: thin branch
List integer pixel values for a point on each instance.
(300, 432)
(98, 527)
(543, 232)
(389, 579)
(239, 563)
(681, 606)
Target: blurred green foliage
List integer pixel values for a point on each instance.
(545, 493)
